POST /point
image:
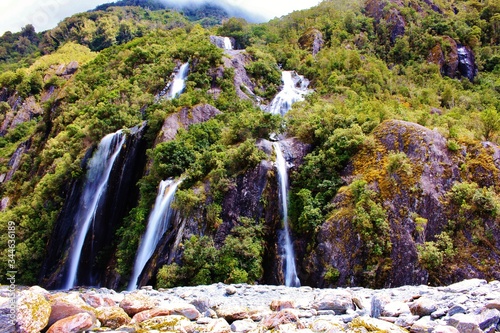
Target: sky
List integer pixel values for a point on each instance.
(46, 14)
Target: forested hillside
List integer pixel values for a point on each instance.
(392, 154)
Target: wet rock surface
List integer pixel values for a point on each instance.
(467, 306)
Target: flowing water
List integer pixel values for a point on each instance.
(291, 279)
(179, 82)
(227, 44)
(158, 224)
(95, 186)
(294, 89)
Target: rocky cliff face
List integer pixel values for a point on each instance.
(120, 196)
(186, 117)
(458, 62)
(253, 194)
(414, 178)
(393, 17)
(312, 40)
(242, 82)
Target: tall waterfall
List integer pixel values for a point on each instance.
(227, 44)
(294, 90)
(179, 82)
(158, 223)
(95, 186)
(291, 279)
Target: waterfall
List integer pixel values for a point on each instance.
(222, 42)
(95, 186)
(291, 279)
(294, 89)
(179, 82)
(158, 223)
(227, 44)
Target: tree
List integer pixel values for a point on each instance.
(491, 123)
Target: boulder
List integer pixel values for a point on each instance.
(465, 323)
(465, 285)
(361, 324)
(137, 302)
(183, 309)
(167, 323)
(423, 307)
(280, 304)
(423, 325)
(232, 313)
(488, 319)
(406, 320)
(147, 314)
(33, 311)
(337, 300)
(96, 300)
(68, 304)
(395, 309)
(378, 303)
(231, 290)
(493, 305)
(218, 326)
(187, 310)
(112, 316)
(445, 329)
(243, 326)
(73, 324)
(323, 325)
(274, 320)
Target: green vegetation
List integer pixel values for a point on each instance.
(363, 76)
(433, 254)
(239, 260)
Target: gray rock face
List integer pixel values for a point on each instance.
(312, 40)
(20, 113)
(186, 117)
(242, 82)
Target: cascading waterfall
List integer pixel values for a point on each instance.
(158, 224)
(95, 186)
(291, 278)
(222, 42)
(294, 90)
(227, 44)
(179, 82)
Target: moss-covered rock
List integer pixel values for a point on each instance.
(438, 204)
(33, 312)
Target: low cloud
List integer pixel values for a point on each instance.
(252, 10)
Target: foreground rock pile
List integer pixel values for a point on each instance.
(471, 306)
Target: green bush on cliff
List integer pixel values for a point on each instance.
(471, 198)
(432, 254)
(370, 221)
(239, 260)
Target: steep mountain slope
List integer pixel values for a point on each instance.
(392, 158)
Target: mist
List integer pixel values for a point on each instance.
(44, 15)
(255, 11)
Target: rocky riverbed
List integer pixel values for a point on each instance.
(470, 306)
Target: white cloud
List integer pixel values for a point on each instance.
(46, 14)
